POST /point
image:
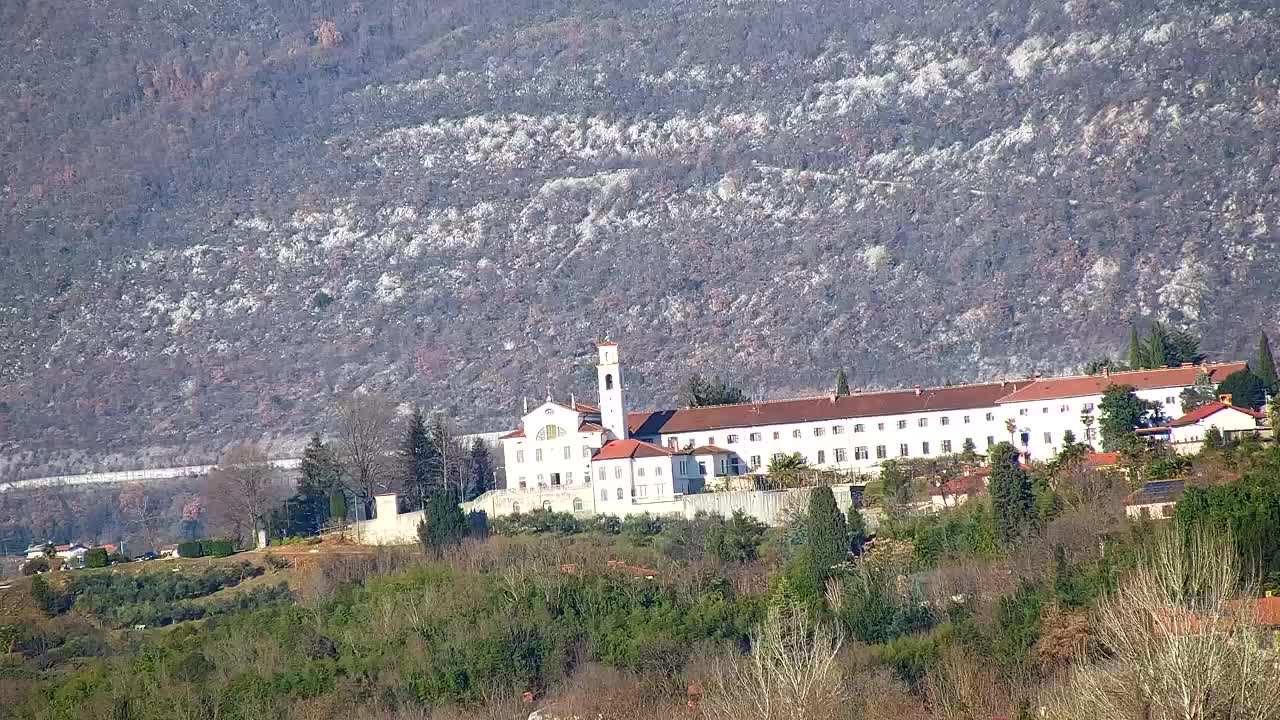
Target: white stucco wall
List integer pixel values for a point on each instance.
(535, 462)
(1189, 439)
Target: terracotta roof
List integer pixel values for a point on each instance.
(1083, 385)
(622, 449)
(1209, 409)
(1103, 459)
(709, 450)
(826, 407)
(517, 433)
(590, 427)
(577, 407)
(607, 343)
(967, 485)
(1267, 611)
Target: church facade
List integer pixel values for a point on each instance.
(574, 457)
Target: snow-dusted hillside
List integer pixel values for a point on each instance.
(215, 221)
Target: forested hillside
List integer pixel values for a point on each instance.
(214, 216)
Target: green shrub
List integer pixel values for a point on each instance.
(34, 566)
(219, 548)
(191, 549)
(97, 558)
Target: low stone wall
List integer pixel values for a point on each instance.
(768, 506)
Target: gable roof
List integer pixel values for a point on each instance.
(1100, 460)
(1209, 409)
(709, 450)
(1084, 385)
(1156, 491)
(624, 449)
(825, 407)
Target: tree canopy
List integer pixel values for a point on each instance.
(1122, 412)
(700, 391)
(1246, 389)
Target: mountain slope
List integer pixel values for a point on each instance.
(213, 219)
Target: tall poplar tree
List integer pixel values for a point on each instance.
(1013, 500)
(842, 383)
(1135, 348)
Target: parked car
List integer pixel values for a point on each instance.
(146, 556)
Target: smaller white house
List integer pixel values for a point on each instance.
(1154, 500)
(631, 473)
(1187, 434)
(717, 465)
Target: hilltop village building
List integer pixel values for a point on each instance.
(582, 458)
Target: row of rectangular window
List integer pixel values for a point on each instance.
(835, 430)
(568, 453)
(639, 491)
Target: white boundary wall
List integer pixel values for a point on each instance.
(767, 506)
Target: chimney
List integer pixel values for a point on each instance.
(1225, 399)
(917, 390)
(1037, 375)
(1106, 371)
(573, 401)
(833, 398)
(1187, 364)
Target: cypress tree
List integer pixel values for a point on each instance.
(856, 529)
(443, 523)
(1012, 498)
(1267, 365)
(842, 383)
(828, 537)
(1157, 348)
(1135, 348)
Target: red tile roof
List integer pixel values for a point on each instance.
(517, 433)
(967, 485)
(1210, 409)
(578, 407)
(1083, 385)
(623, 449)
(1104, 459)
(590, 427)
(826, 407)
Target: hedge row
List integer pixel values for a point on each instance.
(203, 548)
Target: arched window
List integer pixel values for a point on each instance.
(608, 381)
(551, 432)
(546, 505)
(515, 508)
(577, 504)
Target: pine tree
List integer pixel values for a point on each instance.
(480, 471)
(828, 537)
(842, 383)
(1201, 392)
(320, 473)
(1267, 365)
(1122, 411)
(1012, 498)
(420, 461)
(1135, 348)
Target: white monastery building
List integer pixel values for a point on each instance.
(581, 458)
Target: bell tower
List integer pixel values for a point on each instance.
(613, 411)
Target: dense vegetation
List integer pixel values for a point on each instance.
(982, 606)
(215, 214)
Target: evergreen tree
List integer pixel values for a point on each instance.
(1266, 368)
(1182, 347)
(338, 507)
(1013, 501)
(443, 523)
(1201, 392)
(969, 450)
(842, 383)
(420, 461)
(1246, 389)
(828, 537)
(1153, 355)
(479, 471)
(320, 472)
(856, 529)
(1135, 348)
(699, 391)
(1122, 412)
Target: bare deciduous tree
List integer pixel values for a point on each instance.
(791, 673)
(366, 438)
(141, 512)
(242, 489)
(1180, 641)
